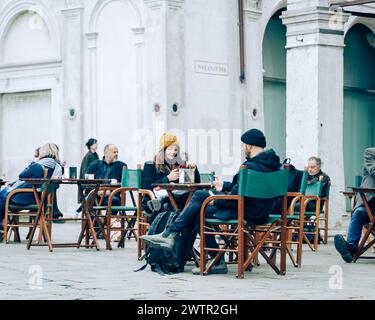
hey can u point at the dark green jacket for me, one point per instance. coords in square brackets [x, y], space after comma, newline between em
[86, 161]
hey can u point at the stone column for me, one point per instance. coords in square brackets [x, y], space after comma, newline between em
[165, 60]
[72, 97]
[315, 43]
[72, 79]
[253, 94]
[144, 112]
[90, 109]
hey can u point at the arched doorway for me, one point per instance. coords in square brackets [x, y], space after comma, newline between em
[274, 84]
[27, 40]
[359, 99]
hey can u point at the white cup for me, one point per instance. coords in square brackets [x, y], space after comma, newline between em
[182, 175]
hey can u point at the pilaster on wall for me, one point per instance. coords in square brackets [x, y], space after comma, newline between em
[70, 4]
[91, 108]
[304, 4]
[143, 113]
[315, 42]
[253, 9]
[171, 4]
[165, 39]
[253, 93]
[72, 73]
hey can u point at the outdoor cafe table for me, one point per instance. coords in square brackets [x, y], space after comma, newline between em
[188, 187]
[87, 226]
[363, 247]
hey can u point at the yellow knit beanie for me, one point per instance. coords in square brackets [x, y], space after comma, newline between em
[167, 139]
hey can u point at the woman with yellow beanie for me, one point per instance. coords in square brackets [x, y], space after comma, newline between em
[165, 169]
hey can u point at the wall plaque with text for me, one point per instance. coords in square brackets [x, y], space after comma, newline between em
[213, 68]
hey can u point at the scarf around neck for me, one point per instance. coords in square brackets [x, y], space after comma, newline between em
[51, 164]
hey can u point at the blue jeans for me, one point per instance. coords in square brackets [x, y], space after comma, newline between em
[358, 220]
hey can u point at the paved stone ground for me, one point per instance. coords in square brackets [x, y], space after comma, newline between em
[72, 273]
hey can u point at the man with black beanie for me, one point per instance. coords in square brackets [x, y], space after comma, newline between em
[256, 210]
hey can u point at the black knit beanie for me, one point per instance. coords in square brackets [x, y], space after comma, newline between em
[254, 137]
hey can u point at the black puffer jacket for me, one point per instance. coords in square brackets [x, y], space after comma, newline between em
[256, 210]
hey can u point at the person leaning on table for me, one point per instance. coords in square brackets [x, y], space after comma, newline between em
[165, 169]
[347, 248]
[48, 159]
[256, 210]
[108, 168]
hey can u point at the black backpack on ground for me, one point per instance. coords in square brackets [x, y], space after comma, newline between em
[165, 261]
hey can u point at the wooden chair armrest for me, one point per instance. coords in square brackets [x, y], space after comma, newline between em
[116, 191]
[311, 197]
[26, 190]
[296, 199]
[12, 193]
[216, 197]
[103, 189]
[348, 193]
[293, 194]
[146, 192]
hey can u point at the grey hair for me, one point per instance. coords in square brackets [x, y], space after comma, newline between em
[317, 160]
[106, 148]
[49, 150]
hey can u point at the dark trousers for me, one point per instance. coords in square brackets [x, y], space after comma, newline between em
[189, 219]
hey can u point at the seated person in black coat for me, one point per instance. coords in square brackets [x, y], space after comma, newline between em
[314, 165]
[256, 210]
[165, 169]
[108, 168]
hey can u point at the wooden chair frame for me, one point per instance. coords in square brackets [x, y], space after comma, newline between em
[248, 243]
[251, 239]
[11, 218]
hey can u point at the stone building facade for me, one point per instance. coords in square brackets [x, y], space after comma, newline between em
[123, 71]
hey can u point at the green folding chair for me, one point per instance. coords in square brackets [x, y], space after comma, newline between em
[244, 239]
[312, 219]
[207, 177]
[131, 182]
